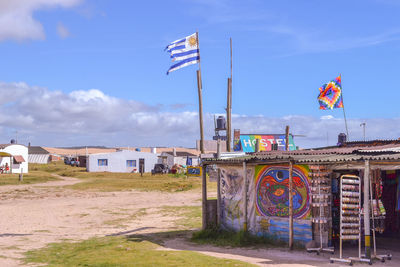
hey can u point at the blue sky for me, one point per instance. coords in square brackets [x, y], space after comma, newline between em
[85, 72]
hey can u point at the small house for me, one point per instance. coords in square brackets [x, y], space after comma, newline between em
[13, 158]
[121, 161]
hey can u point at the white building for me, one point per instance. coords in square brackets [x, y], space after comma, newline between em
[37, 154]
[121, 161]
[15, 157]
[179, 158]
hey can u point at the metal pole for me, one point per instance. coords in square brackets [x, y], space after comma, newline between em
[344, 113]
[290, 204]
[367, 230]
[287, 138]
[204, 196]
[199, 87]
[245, 196]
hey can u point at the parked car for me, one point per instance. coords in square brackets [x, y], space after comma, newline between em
[159, 168]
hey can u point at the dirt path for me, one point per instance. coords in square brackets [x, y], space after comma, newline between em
[35, 215]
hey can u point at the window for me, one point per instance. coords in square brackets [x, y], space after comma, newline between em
[131, 163]
[102, 162]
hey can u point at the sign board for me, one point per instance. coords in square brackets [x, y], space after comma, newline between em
[193, 171]
[248, 142]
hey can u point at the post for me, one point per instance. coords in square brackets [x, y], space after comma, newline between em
[204, 196]
[219, 198]
[367, 230]
[290, 204]
[257, 145]
[287, 138]
[218, 149]
[21, 178]
[245, 196]
[228, 116]
[200, 87]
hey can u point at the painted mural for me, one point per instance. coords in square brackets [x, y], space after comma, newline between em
[232, 197]
[248, 142]
[268, 201]
[271, 202]
[272, 189]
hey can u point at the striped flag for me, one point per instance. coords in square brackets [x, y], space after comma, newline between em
[185, 51]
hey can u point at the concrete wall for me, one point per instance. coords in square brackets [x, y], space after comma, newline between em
[16, 150]
[117, 161]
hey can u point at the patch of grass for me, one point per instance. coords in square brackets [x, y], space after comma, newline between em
[120, 251]
[32, 177]
[189, 217]
[235, 239]
[57, 167]
[108, 182]
[42, 231]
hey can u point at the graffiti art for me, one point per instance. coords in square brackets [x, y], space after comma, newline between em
[272, 189]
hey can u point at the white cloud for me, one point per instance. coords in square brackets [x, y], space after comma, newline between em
[17, 21]
[62, 31]
[91, 117]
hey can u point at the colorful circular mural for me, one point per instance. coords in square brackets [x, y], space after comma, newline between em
[272, 188]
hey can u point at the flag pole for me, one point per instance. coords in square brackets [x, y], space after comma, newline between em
[199, 88]
[344, 113]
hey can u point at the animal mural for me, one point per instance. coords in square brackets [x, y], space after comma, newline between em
[272, 191]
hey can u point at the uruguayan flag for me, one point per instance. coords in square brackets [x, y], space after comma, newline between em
[185, 51]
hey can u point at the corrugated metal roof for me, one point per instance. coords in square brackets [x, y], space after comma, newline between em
[332, 155]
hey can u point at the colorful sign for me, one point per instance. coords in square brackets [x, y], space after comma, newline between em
[272, 191]
[193, 171]
[248, 142]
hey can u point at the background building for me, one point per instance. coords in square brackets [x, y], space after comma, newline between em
[121, 161]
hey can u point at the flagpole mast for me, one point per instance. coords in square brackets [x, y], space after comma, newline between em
[199, 88]
[229, 109]
[344, 113]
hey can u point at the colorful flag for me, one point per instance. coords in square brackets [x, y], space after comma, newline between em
[185, 50]
[330, 94]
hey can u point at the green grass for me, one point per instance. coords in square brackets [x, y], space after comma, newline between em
[189, 217]
[106, 181]
[33, 177]
[235, 239]
[120, 251]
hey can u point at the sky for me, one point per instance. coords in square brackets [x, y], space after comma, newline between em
[93, 72]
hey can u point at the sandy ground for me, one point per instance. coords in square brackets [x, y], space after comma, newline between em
[35, 215]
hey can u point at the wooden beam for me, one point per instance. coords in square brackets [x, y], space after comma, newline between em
[204, 196]
[245, 196]
[367, 229]
[291, 205]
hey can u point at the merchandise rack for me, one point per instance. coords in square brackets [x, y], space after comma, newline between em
[320, 203]
[350, 216]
